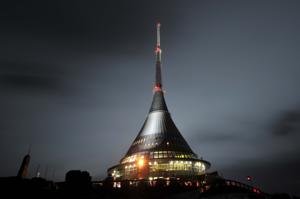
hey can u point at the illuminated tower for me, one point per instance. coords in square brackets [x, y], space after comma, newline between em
[159, 150]
[23, 170]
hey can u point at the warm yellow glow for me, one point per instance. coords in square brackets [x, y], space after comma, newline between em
[141, 162]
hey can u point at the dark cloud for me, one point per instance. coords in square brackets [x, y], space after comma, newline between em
[214, 137]
[287, 124]
[15, 81]
[22, 76]
[283, 168]
[110, 24]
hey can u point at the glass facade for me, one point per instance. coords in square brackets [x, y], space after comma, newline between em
[159, 155]
[171, 154]
[166, 164]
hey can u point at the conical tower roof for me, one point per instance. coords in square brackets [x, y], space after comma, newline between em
[159, 132]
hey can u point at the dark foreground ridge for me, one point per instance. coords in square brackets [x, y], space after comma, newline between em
[78, 184]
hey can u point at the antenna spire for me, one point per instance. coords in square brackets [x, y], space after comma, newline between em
[158, 34]
[158, 82]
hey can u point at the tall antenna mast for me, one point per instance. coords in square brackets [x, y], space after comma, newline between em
[158, 34]
[158, 80]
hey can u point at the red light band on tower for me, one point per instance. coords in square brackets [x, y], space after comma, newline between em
[157, 50]
[157, 88]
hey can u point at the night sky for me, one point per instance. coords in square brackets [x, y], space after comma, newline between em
[76, 83]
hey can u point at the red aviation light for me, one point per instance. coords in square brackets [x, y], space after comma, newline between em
[249, 178]
[157, 88]
[157, 50]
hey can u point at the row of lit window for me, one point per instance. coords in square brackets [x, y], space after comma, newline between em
[130, 168]
[116, 174]
[159, 154]
[176, 166]
[154, 166]
[134, 157]
[151, 144]
[152, 138]
[196, 164]
[169, 167]
[139, 141]
[131, 158]
[199, 166]
[170, 154]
